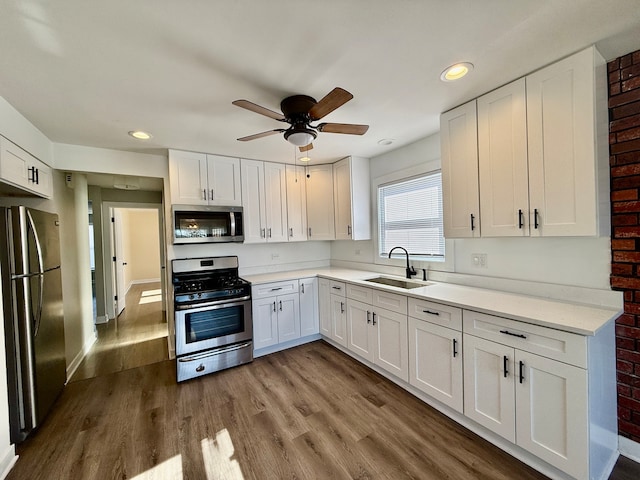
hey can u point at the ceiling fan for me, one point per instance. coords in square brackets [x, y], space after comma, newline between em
[299, 111]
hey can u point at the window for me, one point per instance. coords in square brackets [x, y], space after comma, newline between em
[410, 216]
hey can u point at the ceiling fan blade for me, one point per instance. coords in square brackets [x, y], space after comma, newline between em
[334, 99]
[306, 148]
[348, 128]
[258, 109]
[260, 135]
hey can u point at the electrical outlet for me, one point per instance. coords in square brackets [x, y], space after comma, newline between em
[479, 260]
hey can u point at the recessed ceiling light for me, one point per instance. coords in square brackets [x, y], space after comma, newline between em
[304, 159]
[456, 72]
[140, 135]
[385, 141]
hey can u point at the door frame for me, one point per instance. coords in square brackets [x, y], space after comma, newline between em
[108, 247]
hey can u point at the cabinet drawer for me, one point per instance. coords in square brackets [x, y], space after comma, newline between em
[274, 289]
[390, 301]
[563, 346]
[450, 317]
[337, 288]
[360, 293]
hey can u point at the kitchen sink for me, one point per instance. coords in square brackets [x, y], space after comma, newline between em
[393, 282]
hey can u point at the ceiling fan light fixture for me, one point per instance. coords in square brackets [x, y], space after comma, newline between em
[300, 137]
[456, 72]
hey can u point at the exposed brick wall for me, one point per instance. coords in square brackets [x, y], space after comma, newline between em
[624, 150]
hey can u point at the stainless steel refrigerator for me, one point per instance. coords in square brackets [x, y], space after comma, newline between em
[33, 315]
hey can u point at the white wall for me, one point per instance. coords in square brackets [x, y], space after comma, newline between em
[582, 262]
[142, 252]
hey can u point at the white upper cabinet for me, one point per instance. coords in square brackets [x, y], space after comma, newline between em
[566, 115]
[296, 203]
[264, 201]
[201, 179]
[460, 193]
[502, 158]
[541, 155]
[351, 183]
[320, 212]
[24, 171]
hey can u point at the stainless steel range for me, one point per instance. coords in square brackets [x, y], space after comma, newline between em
[214, 328]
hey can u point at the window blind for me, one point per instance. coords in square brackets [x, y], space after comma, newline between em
[410, 216]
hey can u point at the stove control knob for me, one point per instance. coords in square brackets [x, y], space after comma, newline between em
[191, 297]
[199, 295]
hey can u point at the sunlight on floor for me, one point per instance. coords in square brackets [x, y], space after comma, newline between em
[150, 296]
[171, 468]
[217, 455]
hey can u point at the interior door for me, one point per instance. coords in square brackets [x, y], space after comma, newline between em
[119, 262]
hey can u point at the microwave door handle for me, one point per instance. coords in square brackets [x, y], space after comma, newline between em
[232, 218]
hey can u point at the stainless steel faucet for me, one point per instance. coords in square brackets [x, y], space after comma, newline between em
[410, 270]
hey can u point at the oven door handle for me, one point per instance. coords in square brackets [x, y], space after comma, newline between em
[215, 351]
[217, 303]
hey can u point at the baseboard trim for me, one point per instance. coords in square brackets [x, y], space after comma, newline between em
[7, 461]
[629, 448]
[75, 363]
[148, 280]
[100, 319]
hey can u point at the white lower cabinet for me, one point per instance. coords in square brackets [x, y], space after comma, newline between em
[435, 361]
[308, 306]
[333, 310]
[377, 334]
[338, 325]
[536, 402]
[324, 306]
[276, 313]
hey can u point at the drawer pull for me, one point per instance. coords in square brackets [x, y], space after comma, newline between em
[505, 364]
[337, 288]
[519, 335]
[521, 371]
[430, 312]
[276, 289]
[455, 349]
[200, 368]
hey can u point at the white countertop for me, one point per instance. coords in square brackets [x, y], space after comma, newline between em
[569, 317]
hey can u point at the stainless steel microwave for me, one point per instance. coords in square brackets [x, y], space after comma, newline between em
[207, 224]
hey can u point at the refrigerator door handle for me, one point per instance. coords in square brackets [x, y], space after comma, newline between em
[37, 316]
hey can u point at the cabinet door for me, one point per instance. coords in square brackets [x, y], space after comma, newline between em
[288, 307]
[489, 396]
[502, 157]
[325, 306]
[561, 139]
[308, 306]
[342, 198]
[223, 175]
[460, 191]
[253, 203]
[296, 203]
[435, 362]
[275, 188]
[320, 214]
[44, 180]
[23, 170]
[188, 177]
[338, 319]
[551, 399]
[265, 324]
[360, 334]
[391, 352]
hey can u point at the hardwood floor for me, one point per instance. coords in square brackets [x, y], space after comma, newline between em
[137, 338]
[308, 412]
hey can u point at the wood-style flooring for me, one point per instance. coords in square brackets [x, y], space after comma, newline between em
[137, 337]
[311, 412]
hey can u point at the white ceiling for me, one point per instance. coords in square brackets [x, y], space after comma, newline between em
[88, 72]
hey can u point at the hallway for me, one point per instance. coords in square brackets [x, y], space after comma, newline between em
[136, 338]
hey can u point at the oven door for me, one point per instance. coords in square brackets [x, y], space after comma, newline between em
[205, 327]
